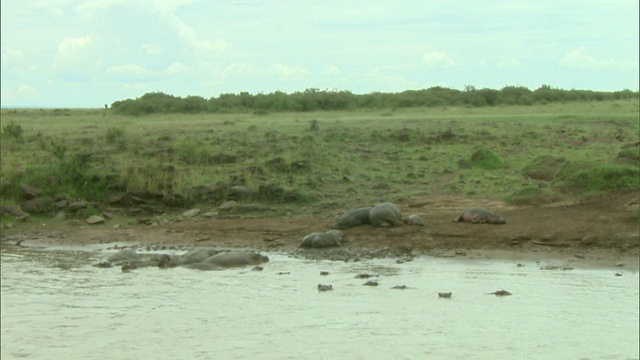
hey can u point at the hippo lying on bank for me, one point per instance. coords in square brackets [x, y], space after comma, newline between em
[351, 218]
[322, 239]
[480, 216]
[414, 219]
[385, 214]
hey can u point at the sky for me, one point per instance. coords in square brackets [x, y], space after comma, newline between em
[84, 54]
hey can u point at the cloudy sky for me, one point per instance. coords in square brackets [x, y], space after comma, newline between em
[72, 53]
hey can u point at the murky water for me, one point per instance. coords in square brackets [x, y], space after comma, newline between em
[55, 305]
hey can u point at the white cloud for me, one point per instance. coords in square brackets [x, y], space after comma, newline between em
[240, 70]
[509, 64]
[284, 70]
[95, 8]
[177, 68]
[74, 53]
[129, 72]
[26, 90]
[437, 59]
[581, 58]
[332, 71]
[151, 49]
[12, 59]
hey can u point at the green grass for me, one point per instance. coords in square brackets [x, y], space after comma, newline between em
[353, 158]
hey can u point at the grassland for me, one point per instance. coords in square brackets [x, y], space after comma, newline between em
[518, 153]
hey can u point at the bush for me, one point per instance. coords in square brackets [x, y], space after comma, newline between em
[599, 178]
[13, 131]
[114, 134]
[486, 159]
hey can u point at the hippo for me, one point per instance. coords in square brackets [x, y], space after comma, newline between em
[500, 293]
[203, 266]
[351, 218]
[128, 257]
[190, 257]
[385, 214]
[235, 259]
[322, 239]
[414, 219]
[322, 287]
[480, 216]
[195, 256]
[444, 295]
[122, 256]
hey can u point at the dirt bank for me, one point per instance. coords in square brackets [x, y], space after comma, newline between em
[604, 227]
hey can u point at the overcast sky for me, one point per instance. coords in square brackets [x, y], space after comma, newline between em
[66, 53]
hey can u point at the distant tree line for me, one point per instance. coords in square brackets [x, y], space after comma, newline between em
[314, 99]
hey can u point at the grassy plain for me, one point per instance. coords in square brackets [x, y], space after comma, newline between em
[353, 158]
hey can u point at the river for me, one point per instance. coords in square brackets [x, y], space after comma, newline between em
[55, 305]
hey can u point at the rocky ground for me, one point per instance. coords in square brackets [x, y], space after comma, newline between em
[600, 228]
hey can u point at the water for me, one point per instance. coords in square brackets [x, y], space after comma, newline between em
[56, 305]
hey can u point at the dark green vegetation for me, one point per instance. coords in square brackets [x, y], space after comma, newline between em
[328, 159]
[317, 100]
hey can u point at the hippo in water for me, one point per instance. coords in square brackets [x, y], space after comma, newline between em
[235, 259]
[123, 255]
[130, 258]
[480, 216]
[322, 239]
[385, 214]
[190, 257]
[351, 218]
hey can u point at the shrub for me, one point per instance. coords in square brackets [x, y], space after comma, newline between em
[486, 159]
[13, 130]
[114, 134]
[599, 178]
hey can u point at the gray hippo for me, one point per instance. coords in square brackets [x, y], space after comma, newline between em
[235, 259]
[414, 219]
[323, 239]
[124, 255]
[480, 216]
[203, 266]
[190, 257]
[130, 258]
[351, 218]
[385, 214]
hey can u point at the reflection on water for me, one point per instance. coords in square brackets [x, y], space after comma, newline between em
[56, 305]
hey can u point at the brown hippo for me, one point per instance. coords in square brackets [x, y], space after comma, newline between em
[480, 216]
[235, 259]
[414, 220]
[385, 214]
[351, 218]
[322, 239]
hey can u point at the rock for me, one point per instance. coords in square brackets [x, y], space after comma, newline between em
[227, 205]
[29, 192]
[191, 213]
[77, 205]
[15, 210]
[95, 219]
[38, 205]
[61, 204]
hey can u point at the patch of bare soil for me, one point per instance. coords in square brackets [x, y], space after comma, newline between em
[600, 227]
